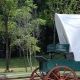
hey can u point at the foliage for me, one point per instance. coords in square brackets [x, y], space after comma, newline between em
[20, 19]
[22, 35]
[58, 6]
[19, 25]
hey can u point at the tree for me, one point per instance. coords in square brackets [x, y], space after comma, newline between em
[57, 6]
[19, 25]
[47, 10]
[24, 33]
[6, 8]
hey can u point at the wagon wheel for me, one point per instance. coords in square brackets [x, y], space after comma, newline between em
[61, 73]
[36, 75]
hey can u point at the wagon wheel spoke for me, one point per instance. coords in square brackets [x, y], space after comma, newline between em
[55, 75]
[68, 75]
[64, 71]
[37, 74]
[61, 73]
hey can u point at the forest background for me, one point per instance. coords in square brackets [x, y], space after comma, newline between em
[28, 26]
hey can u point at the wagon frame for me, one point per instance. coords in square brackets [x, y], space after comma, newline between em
[56, 69]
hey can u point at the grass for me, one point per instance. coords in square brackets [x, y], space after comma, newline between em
[17, 65]
[18, 68]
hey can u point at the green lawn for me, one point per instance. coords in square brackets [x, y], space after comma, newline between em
[17, 65]
[18, 68]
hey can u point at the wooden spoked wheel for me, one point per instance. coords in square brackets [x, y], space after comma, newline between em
[61, 73]
[36, 75]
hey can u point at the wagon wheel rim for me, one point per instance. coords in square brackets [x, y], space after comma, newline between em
[64, 73]
[36, 75]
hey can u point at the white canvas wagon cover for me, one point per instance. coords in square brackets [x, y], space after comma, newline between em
[68, 29]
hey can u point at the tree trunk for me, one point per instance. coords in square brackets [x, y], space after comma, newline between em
[6, 39]
[19, 52]
[25, 63]
[28, 57]
[30, 60]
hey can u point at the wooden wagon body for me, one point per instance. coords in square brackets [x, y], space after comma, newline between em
[65, 58]
[49, 67]
[60, 63]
